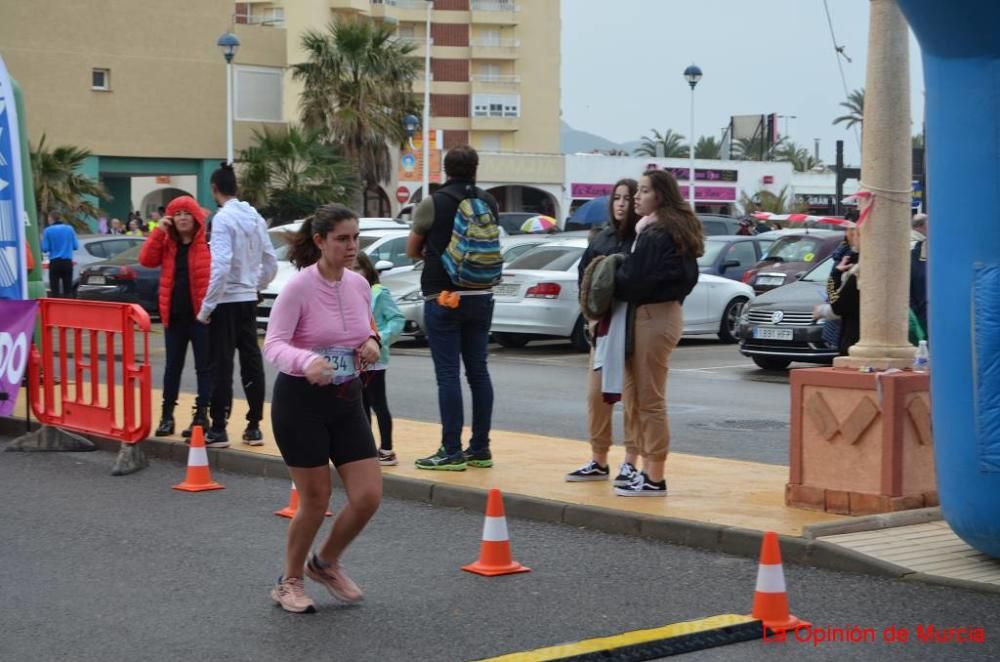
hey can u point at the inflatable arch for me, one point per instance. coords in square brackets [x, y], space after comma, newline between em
[961, 57]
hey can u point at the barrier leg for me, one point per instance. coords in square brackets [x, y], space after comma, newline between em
[131, 458]
[49, 438]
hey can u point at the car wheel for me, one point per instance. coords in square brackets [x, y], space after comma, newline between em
[729, 327]
[580, 338]
[771, 362]
[511, 340]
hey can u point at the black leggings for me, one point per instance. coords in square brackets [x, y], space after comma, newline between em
[375, 398]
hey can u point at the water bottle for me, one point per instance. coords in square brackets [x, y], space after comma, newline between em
[921, 358]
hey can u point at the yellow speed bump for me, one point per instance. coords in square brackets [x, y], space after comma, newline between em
[655, 642]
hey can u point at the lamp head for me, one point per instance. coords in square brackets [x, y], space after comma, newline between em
[692, 75]
[411, 124]
[228, 44]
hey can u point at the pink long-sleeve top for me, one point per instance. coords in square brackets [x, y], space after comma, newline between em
[311, 313]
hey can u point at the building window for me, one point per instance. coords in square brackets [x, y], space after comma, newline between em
[257, 94]
[489, 37]
[407, 32]
[496, 105]
[100, 79]
[489, 72]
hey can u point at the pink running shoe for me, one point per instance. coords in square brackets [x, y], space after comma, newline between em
[291, 595]
[333, 577]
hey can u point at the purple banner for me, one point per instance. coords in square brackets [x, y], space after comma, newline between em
[17, 324]
[700, 175]
[589, 190]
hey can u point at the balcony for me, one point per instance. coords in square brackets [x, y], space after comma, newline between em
[419, 45]
[354, 6]
[497, 79]
[495, 123]
[400, 10]
[495, 12]
[487, 49]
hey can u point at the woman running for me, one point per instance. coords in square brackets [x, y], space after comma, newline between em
[321, 336]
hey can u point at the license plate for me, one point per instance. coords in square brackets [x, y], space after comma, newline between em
[96, 280]
[506, 289]
[771, 333]
[770, 280]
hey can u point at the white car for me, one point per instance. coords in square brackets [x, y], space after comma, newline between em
[538, 298]
[386, 248]
[404, 282]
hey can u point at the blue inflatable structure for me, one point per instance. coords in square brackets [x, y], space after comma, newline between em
[960, 41]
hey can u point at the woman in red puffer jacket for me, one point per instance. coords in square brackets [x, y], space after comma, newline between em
[178, 245]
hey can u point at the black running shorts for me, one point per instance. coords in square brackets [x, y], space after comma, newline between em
[316, 424]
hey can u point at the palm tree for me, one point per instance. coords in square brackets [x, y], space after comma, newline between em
[707, 147]
[358, 82]
[799, 157]
[288, 173]
[855, 105]
[59, 184]
[671, 144]
[775, 203]
[756, 149]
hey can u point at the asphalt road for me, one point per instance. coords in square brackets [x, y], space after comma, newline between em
[720, 404]
[98, 568]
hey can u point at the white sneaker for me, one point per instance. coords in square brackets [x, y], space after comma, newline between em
[643, 487]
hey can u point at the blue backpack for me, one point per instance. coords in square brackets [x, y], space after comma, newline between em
[472, 258]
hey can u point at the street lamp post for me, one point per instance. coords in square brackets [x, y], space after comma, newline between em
[425, 181]
[692, 75]
[229, 43]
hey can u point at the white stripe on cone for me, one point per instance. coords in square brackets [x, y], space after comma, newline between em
[770, 578]
[197, 457]
[293, 487]
[495, 529]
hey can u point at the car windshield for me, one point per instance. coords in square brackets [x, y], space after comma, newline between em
[712, 250]
[550, 258]
[821, 272]
[795, 249]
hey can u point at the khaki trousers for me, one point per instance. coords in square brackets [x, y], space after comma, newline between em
[658, 328]
[599, 414]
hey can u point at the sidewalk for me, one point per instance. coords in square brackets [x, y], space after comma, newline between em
[715, 504]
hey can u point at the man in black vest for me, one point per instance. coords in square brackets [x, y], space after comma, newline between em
[454, 332]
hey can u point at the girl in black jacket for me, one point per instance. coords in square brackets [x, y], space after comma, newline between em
[616, 237]
[656, 276]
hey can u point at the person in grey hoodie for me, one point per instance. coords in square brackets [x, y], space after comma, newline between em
[243, 263]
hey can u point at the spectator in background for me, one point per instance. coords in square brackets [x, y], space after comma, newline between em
[918, 275]
[59, 242]
[154, 220]
[243, 263]
[102, 224]
[117, 227]
[135, 228]
[389, 321]
[918, 231]
[178, 246]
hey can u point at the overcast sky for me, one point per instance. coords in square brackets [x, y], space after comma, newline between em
[623, 63]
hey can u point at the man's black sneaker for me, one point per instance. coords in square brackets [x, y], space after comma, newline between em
[252, 435]
[216, 439]
[478, 459]
[626, 474]
[441, 461]
[590, 471]
[642, 486]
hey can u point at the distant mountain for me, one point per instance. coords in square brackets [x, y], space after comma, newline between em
[571, 141]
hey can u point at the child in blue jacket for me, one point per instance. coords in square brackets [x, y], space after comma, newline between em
[390, 325]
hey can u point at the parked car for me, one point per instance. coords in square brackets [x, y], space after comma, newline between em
[538, 298]
[95, 248]
[730, 256]
[778, 326]
[405, 285]
[122, 279]
[717, 225]
[279, 233]
[793, 253]
[386, 248]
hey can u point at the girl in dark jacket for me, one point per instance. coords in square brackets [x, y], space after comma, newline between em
[656, 276]
[178, 246]
[616, 237]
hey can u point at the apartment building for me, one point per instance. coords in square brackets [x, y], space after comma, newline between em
[142, 85]
[495, 83]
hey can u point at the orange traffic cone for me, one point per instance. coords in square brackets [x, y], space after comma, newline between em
[199, 478]
[770, 601]
[293, 505]
[494, 554]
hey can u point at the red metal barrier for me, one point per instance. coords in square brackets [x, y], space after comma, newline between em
[115, 404]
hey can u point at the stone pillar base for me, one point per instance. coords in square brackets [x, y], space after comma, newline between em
[861, 443]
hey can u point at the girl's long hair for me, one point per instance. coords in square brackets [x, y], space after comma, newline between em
[627, 229]
[675, 215]
[366, 268]
[303, 251]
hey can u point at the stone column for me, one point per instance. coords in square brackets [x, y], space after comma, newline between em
[886, 172]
